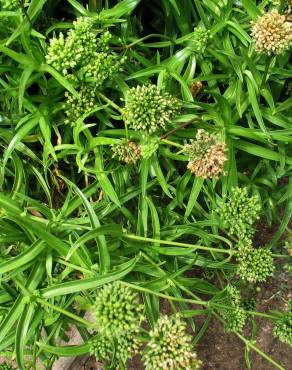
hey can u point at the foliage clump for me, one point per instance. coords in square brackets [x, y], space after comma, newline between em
[272, 33]
[127, 151]
[207, 155]
[283, 326]
[254, 264]
[169, 347]
[239, 211]
[117, 309]
[148, 109]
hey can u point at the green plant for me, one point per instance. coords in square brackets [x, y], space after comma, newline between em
[136, 158]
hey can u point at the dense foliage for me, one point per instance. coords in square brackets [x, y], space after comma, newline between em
[140, 144]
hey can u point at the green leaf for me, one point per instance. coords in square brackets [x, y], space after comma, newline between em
[92, 283]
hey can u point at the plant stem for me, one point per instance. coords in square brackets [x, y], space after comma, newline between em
[172, 143]
[255, 348]
[110, 102]
[178, 128]
[184, 245]
[64, 312]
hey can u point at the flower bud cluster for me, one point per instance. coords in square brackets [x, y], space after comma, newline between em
[235, 318]
[76, 107]
[149, 109]
[5, 366]
[149, 146]
[10, 4]
[239, 211]
[254, 264]
[272, 33]
[170, 347]
[126, 151]
[117, 309]
[83, 53]
[207, 155]
[200, 40]
[283, 326]
[124, 347]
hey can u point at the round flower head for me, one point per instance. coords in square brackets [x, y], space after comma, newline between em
[126, 151]
[207, 155]
[117, 309]
[272, 33]
[239, 211]
[283, 326]
[75, 107]
[254, 264]
[148, 109]
[169, 347]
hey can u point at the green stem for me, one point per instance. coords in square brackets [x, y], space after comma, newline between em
[110, 102]
[184, 245]
[65, 312]
[172, 143]
[264, 78]
[255, 348]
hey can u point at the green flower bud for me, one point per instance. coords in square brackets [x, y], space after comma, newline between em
[239, 211]
[235, 318]
[283, 326]
[200, 40]
[117, 309]
[169, 347]
[149, 146]
[148, 109]
[5, 366]
[254, 264]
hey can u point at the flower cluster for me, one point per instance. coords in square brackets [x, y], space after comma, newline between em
[149, 146]
[239, 212]
[200, 40]
[148, 109]
[254, 264]
[235, 318]
[126, 151]
[10, 4]
[207, 155]
[170, 347]
[5, 366]
[117, 310]
[76, 107]
[81, 53]
[124, 347]
[283, 326]
[272, 33]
